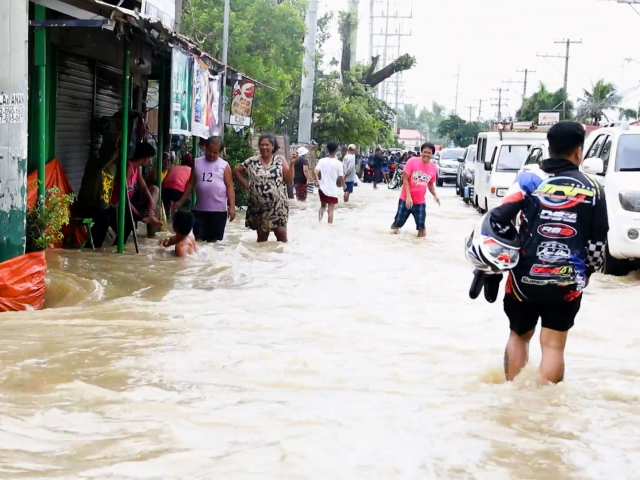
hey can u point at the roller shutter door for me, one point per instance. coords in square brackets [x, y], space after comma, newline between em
[74, 115]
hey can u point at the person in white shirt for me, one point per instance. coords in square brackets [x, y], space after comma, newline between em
[349, 165]
[330, 180]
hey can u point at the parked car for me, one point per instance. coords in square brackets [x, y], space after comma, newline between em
[466, 167]
[613, 158]
[448, 165]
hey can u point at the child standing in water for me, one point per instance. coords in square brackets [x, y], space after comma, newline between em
[183, 239]
[216, 199]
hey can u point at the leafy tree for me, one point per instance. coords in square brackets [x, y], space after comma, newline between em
[348, 112]
[266, 42]
[628, 114]
[426, 122]
[459, 131]
[238, 149]
[544, 101]
[602, 97]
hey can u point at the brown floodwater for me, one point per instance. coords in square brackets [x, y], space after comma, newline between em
[348, 353]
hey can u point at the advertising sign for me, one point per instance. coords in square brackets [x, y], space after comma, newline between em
[180, 93]
[163, 10]
[548, 118]
[200, 106]
[214, 119]
[242, 102]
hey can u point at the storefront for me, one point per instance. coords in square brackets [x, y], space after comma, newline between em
[86, 69]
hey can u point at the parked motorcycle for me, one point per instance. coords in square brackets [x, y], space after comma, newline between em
[396, 178]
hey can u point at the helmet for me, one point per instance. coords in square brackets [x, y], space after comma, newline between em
[493, 247]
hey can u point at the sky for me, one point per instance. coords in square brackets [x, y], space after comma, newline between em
[491, 39]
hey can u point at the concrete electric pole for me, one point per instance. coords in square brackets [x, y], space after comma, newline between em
[568, 43]
[14, 45]
[308, 75]
[499, 101]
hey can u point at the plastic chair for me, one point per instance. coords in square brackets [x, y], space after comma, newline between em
[87, 224]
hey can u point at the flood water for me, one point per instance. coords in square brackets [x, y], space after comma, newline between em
[348, 353]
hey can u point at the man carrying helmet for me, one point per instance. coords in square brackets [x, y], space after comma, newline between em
[562, 236]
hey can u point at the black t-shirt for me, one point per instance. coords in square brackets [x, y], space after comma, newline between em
[376, 162]
[299, 177]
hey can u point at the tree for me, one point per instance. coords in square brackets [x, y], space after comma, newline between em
[459, 131]
[426, 122]
[266, 43]
[348, 112]
[371, 77]
[544, 101]
[628, 114]
[602, 97]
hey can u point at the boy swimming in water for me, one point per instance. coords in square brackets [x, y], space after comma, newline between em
[183, 237]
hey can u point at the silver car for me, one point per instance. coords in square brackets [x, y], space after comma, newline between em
[448, 165]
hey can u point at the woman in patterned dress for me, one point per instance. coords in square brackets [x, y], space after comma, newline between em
[266, 177]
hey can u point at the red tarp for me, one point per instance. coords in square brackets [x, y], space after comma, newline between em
[22, 282]
[55, 177]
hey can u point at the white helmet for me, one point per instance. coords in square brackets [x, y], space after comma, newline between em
[492, 247]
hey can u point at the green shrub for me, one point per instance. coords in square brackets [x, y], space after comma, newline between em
[238, 146]
[46, 219]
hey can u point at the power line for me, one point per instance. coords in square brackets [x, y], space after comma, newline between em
[471, 109]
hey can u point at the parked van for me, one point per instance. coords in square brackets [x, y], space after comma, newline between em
[501, 153]
[613, 157]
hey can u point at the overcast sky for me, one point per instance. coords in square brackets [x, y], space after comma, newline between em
[491, 39]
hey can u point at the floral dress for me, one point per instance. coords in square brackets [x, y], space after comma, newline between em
[268, 203]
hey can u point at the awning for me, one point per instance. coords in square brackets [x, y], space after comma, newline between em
[155, 31]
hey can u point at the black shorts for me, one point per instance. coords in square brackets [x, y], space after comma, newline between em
[523, 316]
[209, 226]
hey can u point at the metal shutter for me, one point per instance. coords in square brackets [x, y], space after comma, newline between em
[108, 90]
[74, 115]
[108, 97]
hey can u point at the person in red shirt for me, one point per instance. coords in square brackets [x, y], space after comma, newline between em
[175, 183]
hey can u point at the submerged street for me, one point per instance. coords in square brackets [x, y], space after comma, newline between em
[347, 353]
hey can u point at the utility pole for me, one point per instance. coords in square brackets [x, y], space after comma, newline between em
[225, 53]
[568, 43]
[457, 89]
[480, 109]
[393, 29]
[526, 72]
[470, 113]
[308, 74]
[500, 101]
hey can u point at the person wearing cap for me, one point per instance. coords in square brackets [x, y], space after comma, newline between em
[301, 176]
[349, 166]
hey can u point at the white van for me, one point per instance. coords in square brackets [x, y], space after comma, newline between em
[500, 156]
[613, 157]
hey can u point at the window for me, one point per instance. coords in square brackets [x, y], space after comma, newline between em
[488, 165]
[628, 154]
[595, 148]
[482, 145]
[512, 157]
[535, 157]
[606, 153]
[470, 159]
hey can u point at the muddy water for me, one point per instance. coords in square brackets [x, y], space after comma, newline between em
[347, 354]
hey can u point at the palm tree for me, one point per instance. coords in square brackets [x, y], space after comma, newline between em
[628, 114]
[602, 97]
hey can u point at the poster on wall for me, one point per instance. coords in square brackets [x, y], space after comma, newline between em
[214, 120]
[242, 102]
[201, 103]
[180, 93]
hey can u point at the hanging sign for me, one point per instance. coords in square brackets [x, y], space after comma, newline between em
[214, 119]
[242, 102]
[200, 106]
[180, 93]
[163, 10]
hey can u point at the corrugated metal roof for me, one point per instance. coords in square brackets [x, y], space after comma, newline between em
[160, 34]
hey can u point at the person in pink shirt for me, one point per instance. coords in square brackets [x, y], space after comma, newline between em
[419, 175]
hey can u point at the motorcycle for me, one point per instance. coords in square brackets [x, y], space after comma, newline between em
[368, 174]
[396, 178]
